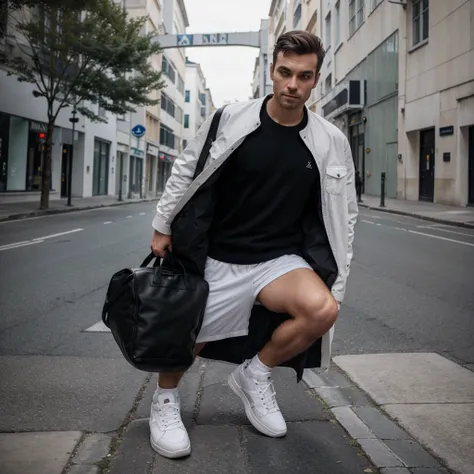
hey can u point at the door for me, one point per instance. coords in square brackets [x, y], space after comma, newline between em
[4, 137]
[64, 169]
[427, 164]
[471, 167]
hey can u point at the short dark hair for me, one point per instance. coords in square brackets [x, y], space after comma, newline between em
[299, 42]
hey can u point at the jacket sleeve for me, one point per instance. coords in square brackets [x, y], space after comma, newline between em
[181, 178]
[339, 287]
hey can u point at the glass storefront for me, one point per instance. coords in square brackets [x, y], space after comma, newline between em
[21, 153]
[100, 174]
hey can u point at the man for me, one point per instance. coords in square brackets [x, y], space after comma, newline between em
[271, 217]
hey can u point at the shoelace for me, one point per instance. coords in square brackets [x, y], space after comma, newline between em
[268, 399]
[169, 415]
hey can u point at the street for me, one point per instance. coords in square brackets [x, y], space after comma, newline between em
[410, 290]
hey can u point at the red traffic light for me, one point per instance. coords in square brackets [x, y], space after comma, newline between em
[42, 135]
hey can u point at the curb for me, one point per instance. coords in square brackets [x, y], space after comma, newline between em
[68, 210]
[418, 216]
[390, 448]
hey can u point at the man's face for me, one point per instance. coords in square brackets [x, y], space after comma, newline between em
[294, 76]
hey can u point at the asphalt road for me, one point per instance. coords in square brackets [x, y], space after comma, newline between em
[410, 289]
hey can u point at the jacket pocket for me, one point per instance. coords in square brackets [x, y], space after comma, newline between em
[336, 179]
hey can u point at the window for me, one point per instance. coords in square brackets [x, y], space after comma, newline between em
[167, 137]
[328, 31]
[337, 32]
[168, 69]
[186, 121]
[167, 104]
[187, 96]
[420, 21]
[297, 16]
[356, 15]
[180, 84]
[328, 84]
[185, 144]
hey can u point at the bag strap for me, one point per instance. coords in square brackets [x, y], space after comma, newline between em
[211, 136]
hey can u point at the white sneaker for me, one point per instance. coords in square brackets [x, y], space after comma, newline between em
[168, 436]
[258, 396]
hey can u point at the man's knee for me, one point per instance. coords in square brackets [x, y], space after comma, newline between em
[319, 311]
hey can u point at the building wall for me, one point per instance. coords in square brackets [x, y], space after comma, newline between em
[439, 92]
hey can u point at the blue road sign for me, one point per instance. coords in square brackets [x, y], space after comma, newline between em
[138, 131]
[185, 40]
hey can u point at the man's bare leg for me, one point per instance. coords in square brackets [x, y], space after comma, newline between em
[303, 295]
[170, 380]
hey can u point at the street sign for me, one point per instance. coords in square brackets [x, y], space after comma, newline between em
[138, 131]
[215, 38]
[185, 40]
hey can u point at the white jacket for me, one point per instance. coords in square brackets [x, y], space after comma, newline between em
[331, 153]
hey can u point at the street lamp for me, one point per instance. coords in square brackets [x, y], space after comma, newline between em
[73, 120]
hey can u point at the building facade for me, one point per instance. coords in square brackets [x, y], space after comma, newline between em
[195, 110]
[398, 80]
[175, 21]
[436, 103]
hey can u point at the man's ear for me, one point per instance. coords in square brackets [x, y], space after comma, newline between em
[271, 71]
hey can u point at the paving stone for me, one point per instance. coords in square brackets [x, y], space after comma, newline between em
[188, 388]
[331, 379]
[411, 453]
[83, 469]
[394, 470]
[134, 454]
[380, 424]
[94, 448]
[79, 393]
[352, 423]
[428, 470]
[343, 396]
[36, 453]
[219, 405]
[309, 447]
[215, 450]
[379, 453]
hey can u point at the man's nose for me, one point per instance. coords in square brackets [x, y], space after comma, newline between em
[293, 83]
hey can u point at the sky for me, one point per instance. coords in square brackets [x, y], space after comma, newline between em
[228, 69]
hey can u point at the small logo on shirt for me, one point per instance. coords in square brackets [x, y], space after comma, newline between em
[309, 165]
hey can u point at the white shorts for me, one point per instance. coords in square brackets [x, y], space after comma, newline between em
[233, 290]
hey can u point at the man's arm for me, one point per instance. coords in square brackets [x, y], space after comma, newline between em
[181, 178]
[352, 213]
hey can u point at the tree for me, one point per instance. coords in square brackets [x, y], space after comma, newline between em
[80, 52]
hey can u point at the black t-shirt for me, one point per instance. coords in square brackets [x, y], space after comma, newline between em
[262, 193]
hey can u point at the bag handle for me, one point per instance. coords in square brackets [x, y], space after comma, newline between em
[211, 136]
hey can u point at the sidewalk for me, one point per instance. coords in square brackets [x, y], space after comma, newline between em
[24, 209]
[223, 441]
[450, 215]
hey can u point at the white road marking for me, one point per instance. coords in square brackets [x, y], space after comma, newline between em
[371, 216]
[108, 222]
[58, 235]
[98, 327]
[37, 240]
[367, 222]
[19, 244]
[441, 238]
[128, 217]
[378, 224]
[142, 213]
[445, 230]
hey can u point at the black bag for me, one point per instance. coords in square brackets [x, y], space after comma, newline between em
[155, 313]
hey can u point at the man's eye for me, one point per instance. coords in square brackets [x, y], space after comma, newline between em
[306, 76]
[285, 73]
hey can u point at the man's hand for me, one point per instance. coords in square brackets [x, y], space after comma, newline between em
[160, 243]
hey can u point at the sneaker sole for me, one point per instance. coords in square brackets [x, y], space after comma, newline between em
[256, 423]
[171, 454]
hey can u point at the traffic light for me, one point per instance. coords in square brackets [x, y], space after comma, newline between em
[42, 137]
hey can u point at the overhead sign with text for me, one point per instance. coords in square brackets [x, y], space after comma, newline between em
[218, 39]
